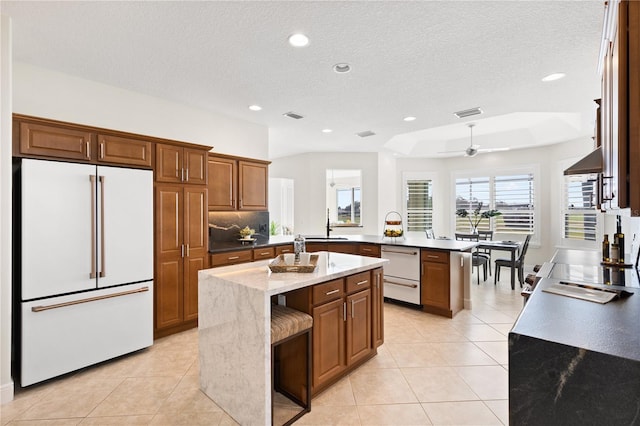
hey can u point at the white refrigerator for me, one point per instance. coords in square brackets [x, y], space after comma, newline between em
[86, 265]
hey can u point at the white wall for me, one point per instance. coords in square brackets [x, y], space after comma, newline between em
[6, 383]
[309, 174]
[49, 94]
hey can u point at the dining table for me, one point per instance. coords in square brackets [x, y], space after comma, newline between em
[511, 246]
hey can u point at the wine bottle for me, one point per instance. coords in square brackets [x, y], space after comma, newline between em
[619, 239]
[605, 249]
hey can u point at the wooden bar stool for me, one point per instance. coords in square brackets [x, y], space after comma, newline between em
[286, 325]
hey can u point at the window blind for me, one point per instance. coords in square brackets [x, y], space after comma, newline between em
[419, 197]
[580, 218]
[514, 198]
[470, 192]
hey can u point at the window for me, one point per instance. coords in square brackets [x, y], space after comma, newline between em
[512, 195]
[580, 217]
[419, 199]
[344, 197]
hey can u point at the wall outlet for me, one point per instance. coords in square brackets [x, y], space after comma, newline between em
[282, 300]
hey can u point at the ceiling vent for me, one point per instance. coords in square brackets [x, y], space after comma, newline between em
[365, 134]
[468, 112]
[294, 115]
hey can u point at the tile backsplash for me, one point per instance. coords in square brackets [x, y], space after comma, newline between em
[224, 227]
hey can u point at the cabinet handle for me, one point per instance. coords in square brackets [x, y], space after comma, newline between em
[265, 253]
[233, 257]
[92, 180]
[102, 149]
[366, 249]
[337, 290]
[433, 256]
[188, 251]
[362, 282]
[461, 261]
[344, 311]
[240, 202]
[181, 250]
[353, 311]
[182, 174]
[285, 251]
[88, 146]
[103, 268]
[187, 175]
[377, 281]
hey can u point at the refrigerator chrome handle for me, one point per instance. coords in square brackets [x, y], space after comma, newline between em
[103, 267]
[92, 179]
[89, 299]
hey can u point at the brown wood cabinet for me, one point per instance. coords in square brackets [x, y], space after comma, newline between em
[181, 251]
[237, 184]
[377, 307]
[342, 313]
[368, 249]
[619, 130]
[231, 257]
[313, 247]
[434, 281]
[39, 137]
[287, 248]
[121, 150]
[348, 248]
[177, 164]
[264, 253]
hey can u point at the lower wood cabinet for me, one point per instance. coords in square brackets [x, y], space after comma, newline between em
[231, 257]
[344, 318]
[287, 248]
[434, 279]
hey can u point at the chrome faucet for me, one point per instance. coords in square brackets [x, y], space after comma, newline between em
[328, 224]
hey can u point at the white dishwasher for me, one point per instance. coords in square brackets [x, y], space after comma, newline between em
[402, 273]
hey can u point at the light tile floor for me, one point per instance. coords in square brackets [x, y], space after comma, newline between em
[431, 370]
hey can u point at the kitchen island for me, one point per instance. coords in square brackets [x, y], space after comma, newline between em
[573, 361]
[234, 304]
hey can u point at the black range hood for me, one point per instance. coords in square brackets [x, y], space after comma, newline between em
[592, 163]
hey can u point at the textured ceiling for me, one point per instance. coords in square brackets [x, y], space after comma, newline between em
[421, 58]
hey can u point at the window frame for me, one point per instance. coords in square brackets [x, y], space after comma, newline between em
[492, 173]
[409, 176]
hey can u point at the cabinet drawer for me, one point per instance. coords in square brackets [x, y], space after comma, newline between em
[372, 250]
[327, 291]
[435, 256]
[284, 249]
[264, 253]
[358, 282]
[231, 257]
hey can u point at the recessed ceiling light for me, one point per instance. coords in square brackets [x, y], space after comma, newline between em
[298, 40]
[554, 76]
[342, 68]
[255, 107]
[409, 118]
[327, 130]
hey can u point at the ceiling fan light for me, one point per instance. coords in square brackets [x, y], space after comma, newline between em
[471, 151]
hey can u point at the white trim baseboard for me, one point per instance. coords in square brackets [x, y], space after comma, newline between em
[6, 393]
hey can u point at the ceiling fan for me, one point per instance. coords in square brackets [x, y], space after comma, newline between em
[472, 150]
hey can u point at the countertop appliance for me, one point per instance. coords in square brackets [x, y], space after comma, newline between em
[402, 273]
[84, 265]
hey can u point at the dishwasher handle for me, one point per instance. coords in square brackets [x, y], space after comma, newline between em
[407, 253]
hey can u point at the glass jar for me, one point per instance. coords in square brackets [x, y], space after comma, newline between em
[298, 246]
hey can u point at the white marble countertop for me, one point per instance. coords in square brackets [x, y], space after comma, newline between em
[258, 276]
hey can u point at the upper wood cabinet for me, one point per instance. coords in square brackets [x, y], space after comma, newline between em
[176, 164]
[237, 184]
[120, 150]
[53, 141]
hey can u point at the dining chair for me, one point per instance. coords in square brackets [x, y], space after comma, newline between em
[477, 259]
[485, 236]
[518, 263]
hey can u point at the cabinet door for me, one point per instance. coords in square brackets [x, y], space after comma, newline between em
[328, 341]
[349, 248]
[288, 248]
[168, 163]
[358, 326]
[253, 181]
[169, 263]
[313, 247]
[196, 245]
[53, 141]
[377, 308]
[371, 250]
[222, 183]
[115, 149]
[195, 166]
[435, 284]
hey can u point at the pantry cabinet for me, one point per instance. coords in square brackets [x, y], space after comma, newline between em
[237, 184]
[181, 251]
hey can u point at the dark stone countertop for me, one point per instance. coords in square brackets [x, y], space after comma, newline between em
[435, 244]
